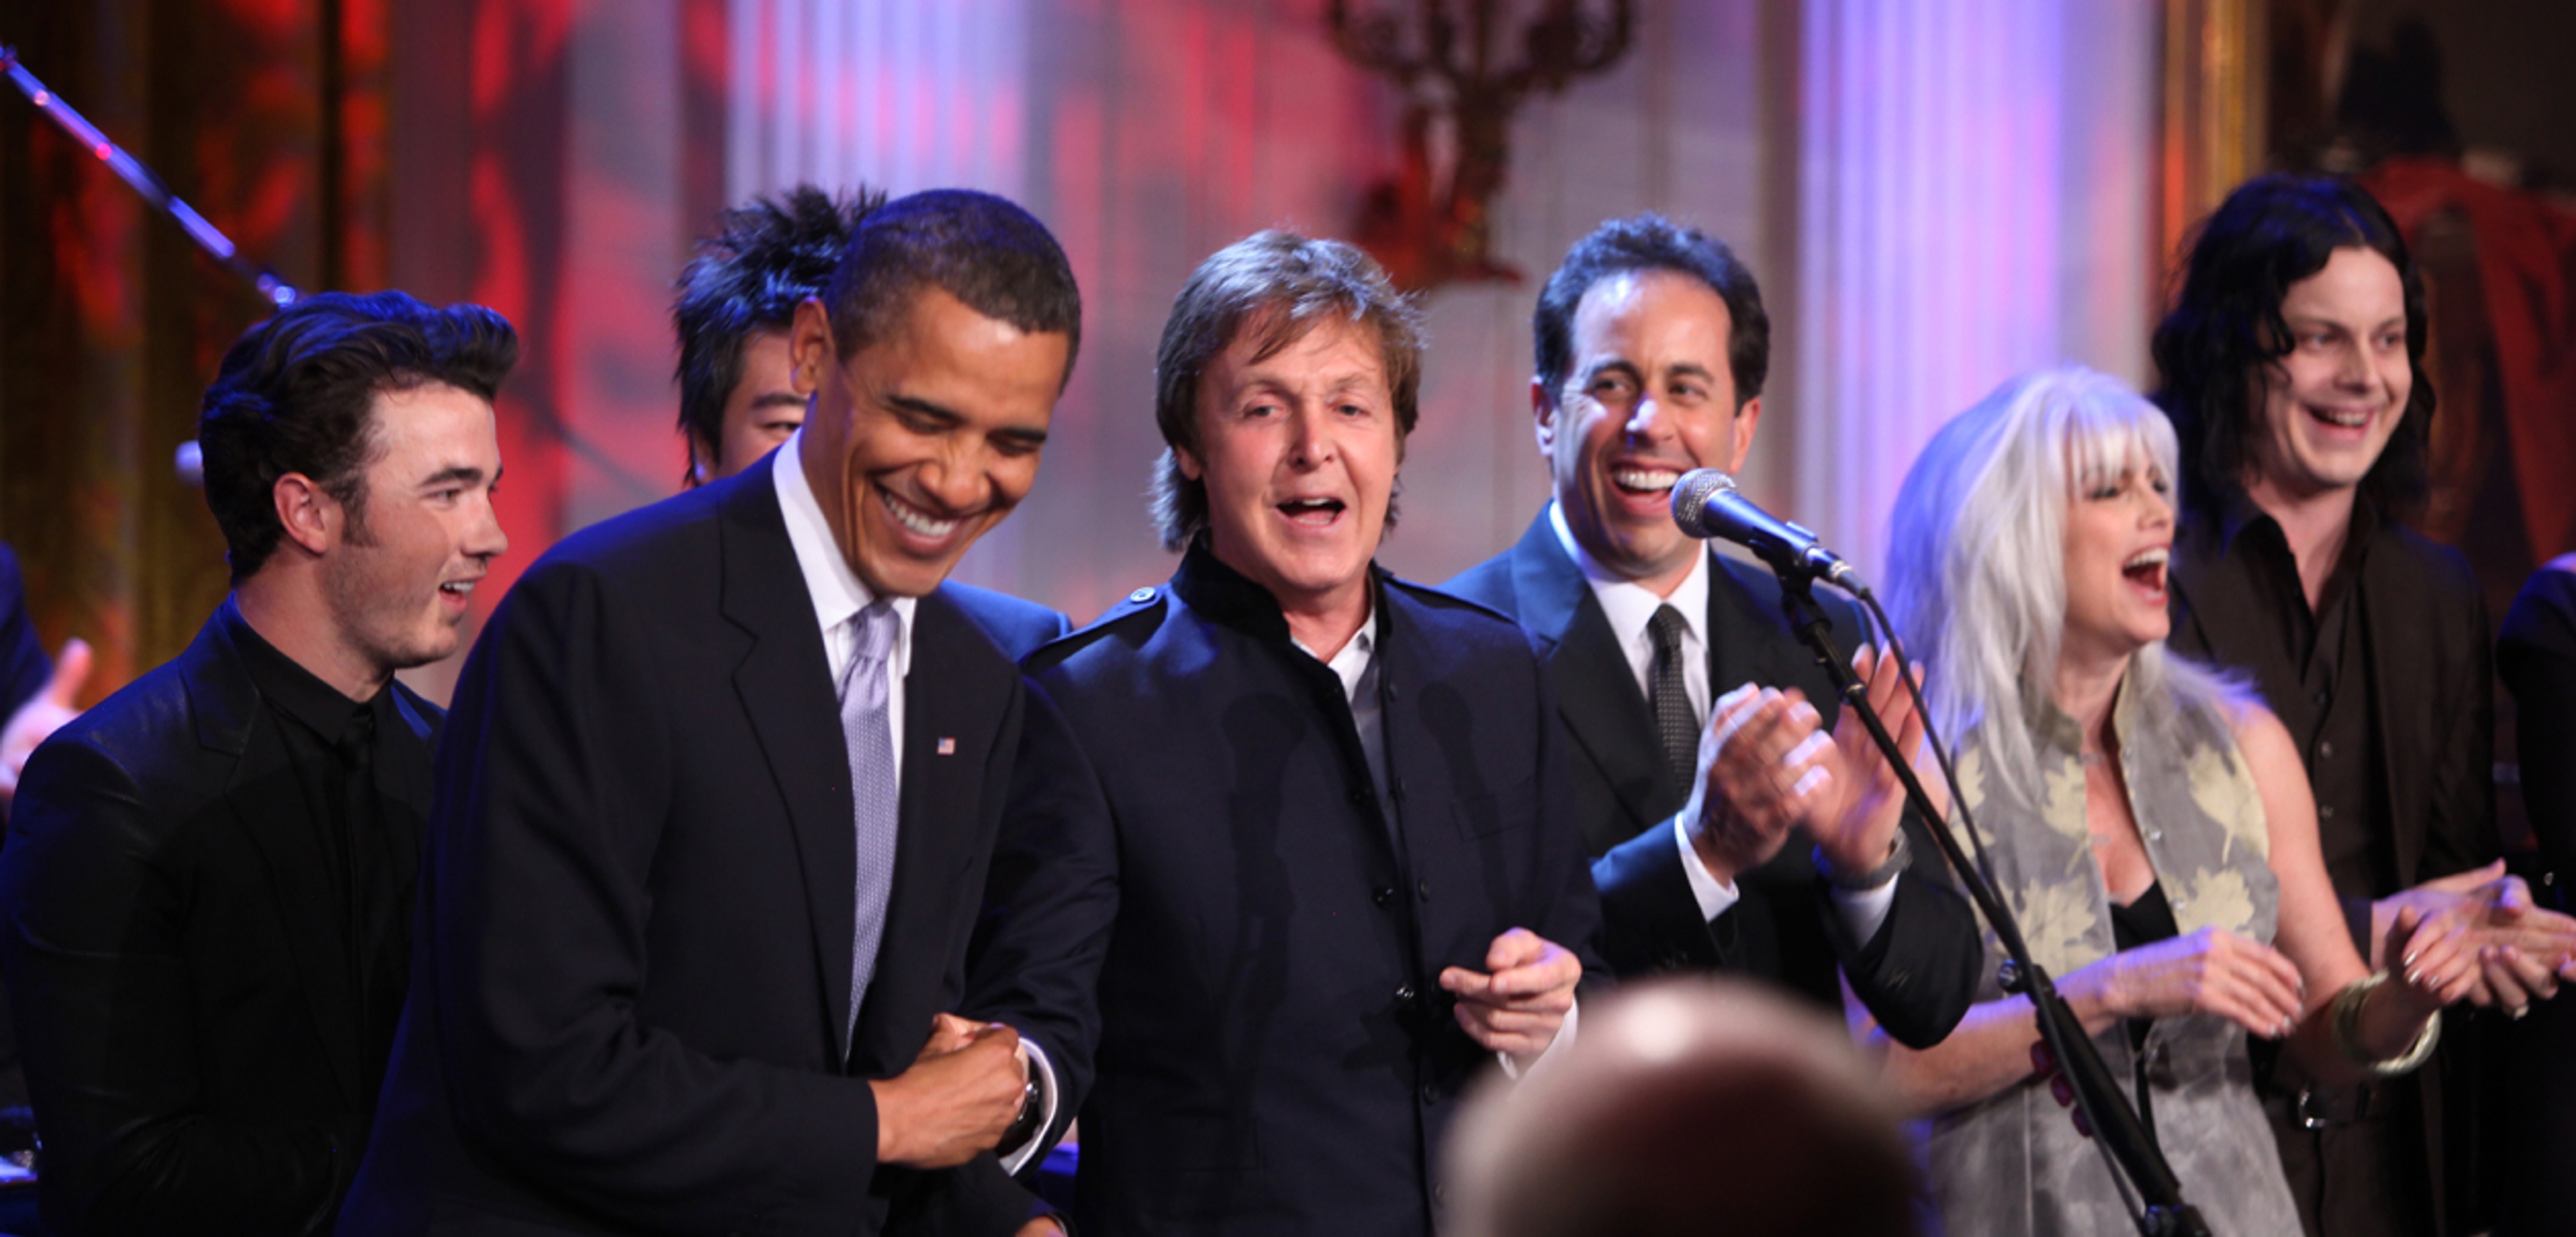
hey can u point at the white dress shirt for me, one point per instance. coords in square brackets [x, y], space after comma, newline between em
[1630, 606]
[838, 596]
[837, 591]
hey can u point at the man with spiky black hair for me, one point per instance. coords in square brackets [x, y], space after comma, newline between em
[738, 297]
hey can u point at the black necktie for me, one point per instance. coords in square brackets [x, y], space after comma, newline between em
[1675, 724]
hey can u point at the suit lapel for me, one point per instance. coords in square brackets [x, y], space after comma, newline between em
[1596, 692]
[785, 687]
[1742, 647]
[227, 706]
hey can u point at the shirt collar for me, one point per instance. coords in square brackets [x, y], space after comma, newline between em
[285, 684]
[2239, 516]
[1352, 663]
[837, 591]
[1628, 605]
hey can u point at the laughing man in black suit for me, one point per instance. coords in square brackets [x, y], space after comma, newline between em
[717, 798]
[1652, 345]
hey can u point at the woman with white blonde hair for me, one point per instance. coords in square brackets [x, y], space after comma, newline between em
[2146, 821]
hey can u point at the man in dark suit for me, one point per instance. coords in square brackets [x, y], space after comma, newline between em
[1289, 858]
[716, 803]
[1652, 346]
[210, 874]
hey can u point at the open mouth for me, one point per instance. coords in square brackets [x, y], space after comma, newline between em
[913, 519]
[460, 589]
[2341, 418]
[1644, 480]
[2146, 569]
[1312, 512]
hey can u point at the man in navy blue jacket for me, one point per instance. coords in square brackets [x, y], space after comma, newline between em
[1290, 858]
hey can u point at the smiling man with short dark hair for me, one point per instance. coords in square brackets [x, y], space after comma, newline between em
[718, 795]
[1700, 731]
[210, 874]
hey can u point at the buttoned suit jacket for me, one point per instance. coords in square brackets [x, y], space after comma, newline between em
[182, 978]
[630, 988]
[1224, 935]
[1918, 974]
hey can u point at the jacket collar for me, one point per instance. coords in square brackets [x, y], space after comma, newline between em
[1231, 599]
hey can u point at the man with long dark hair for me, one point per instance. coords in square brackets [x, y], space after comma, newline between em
[2292, 369]
[209, 875]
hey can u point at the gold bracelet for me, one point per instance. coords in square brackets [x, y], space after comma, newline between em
[2346, 1024]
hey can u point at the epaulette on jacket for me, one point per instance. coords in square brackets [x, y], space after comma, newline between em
[1137, 614]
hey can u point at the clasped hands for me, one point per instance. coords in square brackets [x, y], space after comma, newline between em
[2521, 953]
[1766, 765]
[956, 1098]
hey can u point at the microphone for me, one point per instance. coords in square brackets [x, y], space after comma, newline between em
[1707, 504]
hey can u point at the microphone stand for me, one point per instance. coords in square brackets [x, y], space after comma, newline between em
[2114, 1123]
[276, 291]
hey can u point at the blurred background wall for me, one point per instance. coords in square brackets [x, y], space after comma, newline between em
[1933, 196]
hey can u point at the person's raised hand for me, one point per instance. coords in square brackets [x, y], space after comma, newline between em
[2520, 951]
[1762, 770]
[1855, 815]
[2436, 957]
[44, 713]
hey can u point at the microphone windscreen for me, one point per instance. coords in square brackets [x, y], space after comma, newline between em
[1691, 495]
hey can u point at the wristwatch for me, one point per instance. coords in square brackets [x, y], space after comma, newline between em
[1899, 853]
[1025, 1126]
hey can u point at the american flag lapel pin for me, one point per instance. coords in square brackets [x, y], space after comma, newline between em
[947, 746]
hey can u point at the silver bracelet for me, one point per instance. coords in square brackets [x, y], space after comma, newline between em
[2346, 1024]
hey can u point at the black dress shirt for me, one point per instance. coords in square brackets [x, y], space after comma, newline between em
[2385, 687]
[334, 748]
[2312, 668]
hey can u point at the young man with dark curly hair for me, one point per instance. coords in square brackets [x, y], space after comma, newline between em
[210, 874]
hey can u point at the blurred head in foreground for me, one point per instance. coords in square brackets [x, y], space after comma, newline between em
[1688, 1107]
